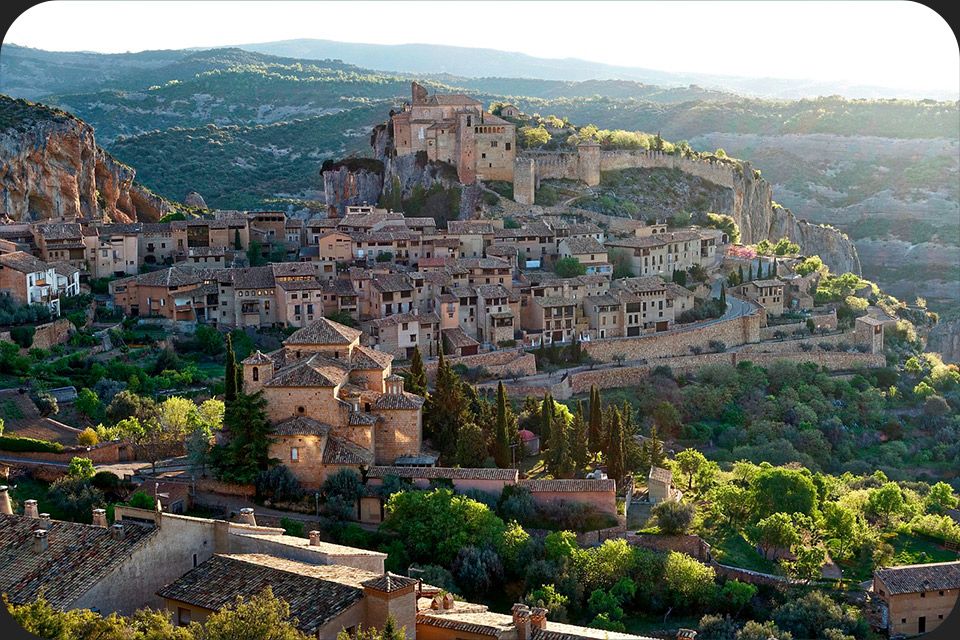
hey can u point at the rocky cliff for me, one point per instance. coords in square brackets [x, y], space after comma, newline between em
[51, 167]
[351, 183]
[759, 218]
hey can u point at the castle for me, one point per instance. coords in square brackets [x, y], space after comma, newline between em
[333, 403]
[455, 128]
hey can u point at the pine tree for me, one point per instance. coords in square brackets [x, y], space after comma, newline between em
[580, 450]
[615, 454]
[230, 373]
[501, 443]
[546, 419]
[595, 428]
[417, 381]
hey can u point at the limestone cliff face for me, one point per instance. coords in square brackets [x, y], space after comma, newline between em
[752, 207]
[944, 338]
[343, 186]
[51, 167]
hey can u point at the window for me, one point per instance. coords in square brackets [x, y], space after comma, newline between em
[256, 374]
[903, 621]
[294, 454]
[300, 410]
[183, 617]
[941, 593]
[194, 559]
[493, 143]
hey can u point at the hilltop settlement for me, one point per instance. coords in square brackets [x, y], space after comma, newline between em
[512, 420]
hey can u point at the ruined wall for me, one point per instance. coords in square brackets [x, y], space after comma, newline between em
[52, 333]
[498, 363]
[524, 180]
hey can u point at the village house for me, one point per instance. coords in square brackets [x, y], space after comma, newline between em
[61, 242]
[28, 280]
[659, 253]
[916, 598]
[455, 129]
[399, 334]
[767, 293]
[588, 252]
[474, 236]
[161, 243]
[112, 249]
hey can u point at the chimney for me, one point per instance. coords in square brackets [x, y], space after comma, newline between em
[521, 620]
[538, 618]
[116, 531]
[30, 508]
[314, 538]
[686, 634]
[5, 506]
[100, 518]
[247, 517]
[45, 521]
[40, 541]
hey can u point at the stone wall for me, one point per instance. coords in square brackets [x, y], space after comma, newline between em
[752, 577]
[210, 485]
[106, 453]
[676, 342]
[52, 333]
[792, 345]
[498, 363]
[595, 538]
[692, 545]
[524, 180]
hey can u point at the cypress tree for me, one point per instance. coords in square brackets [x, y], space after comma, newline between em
[236, 240]
[447, 409]
[580, 449]
[740, 274]
[750, 272]
[230, 373]
[559, 459]
[615, 449]
[546, 419]
[595, 428]
[655, 448]
[501, 443]
[723, 296]
[417, 382]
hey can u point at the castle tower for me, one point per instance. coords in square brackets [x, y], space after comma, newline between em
[467, 147]
[524, 179]
[588, 163]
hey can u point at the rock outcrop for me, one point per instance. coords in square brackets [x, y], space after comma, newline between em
[351, 183]
[759, 218]
[194, 199]
[944, 338]
[51, 167]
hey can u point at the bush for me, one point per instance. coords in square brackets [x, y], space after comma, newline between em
[673, 517]
[23, 335]
[14, 443]
[105, 480]
[87, 437]
[142, 500]
[81, 468]
[278, 484]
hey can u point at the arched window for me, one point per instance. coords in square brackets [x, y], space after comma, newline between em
[256, 374]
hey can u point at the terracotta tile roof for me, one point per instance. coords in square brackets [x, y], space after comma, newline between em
[370, 359]
[253, 277]
[315, 371]
[583, 228]
[361, 419]
[767, 283]
[390, 582]
[286, 269]
[392, 282]
[60, 231]
[458, 338]
[453, 473]
[172, 277]
[301, 426]
[488, 291]
[77, 558]
[661, 475]
[557, 631]
[23, 262]
[481, 624]
[313, 600]
[398, 401]
[323, 331]
[580, 246]
[913, 578]
[343, 452]
[470, 227]
[301, 285]
[483, 263]
[569, 485]
[257, 357]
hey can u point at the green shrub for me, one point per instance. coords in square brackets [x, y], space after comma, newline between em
[14, 443]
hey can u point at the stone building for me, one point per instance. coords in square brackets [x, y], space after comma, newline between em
[660, 485]
[31, 281]
[456, 129]
[333, 402]
[661, 253]
[916, 598]
[767, 293]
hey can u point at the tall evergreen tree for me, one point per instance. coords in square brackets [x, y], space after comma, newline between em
[655, 448]
[595, 428]
[501, 442]
[580, 446]
[237, 245]
[447, 409]
[740, 274]
[615, 447]
[723, 296]
[559, 458]
[247, 451]
[230, 373]
[546, 419]
[750, 272]
[417, 381]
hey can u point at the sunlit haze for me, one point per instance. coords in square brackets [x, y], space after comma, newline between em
[893, 44]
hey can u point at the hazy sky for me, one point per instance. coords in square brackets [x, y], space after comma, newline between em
[895, 44]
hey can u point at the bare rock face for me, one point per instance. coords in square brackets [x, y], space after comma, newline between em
[51, 167]
[194, 199]
[759, 219]
[346, 184]
[944, 338]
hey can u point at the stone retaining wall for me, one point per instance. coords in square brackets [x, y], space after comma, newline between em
[791, 345]
[692, 545]
[106, 453]
[677, 342]
[499, 363]
[210, 485]
[52, 333]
